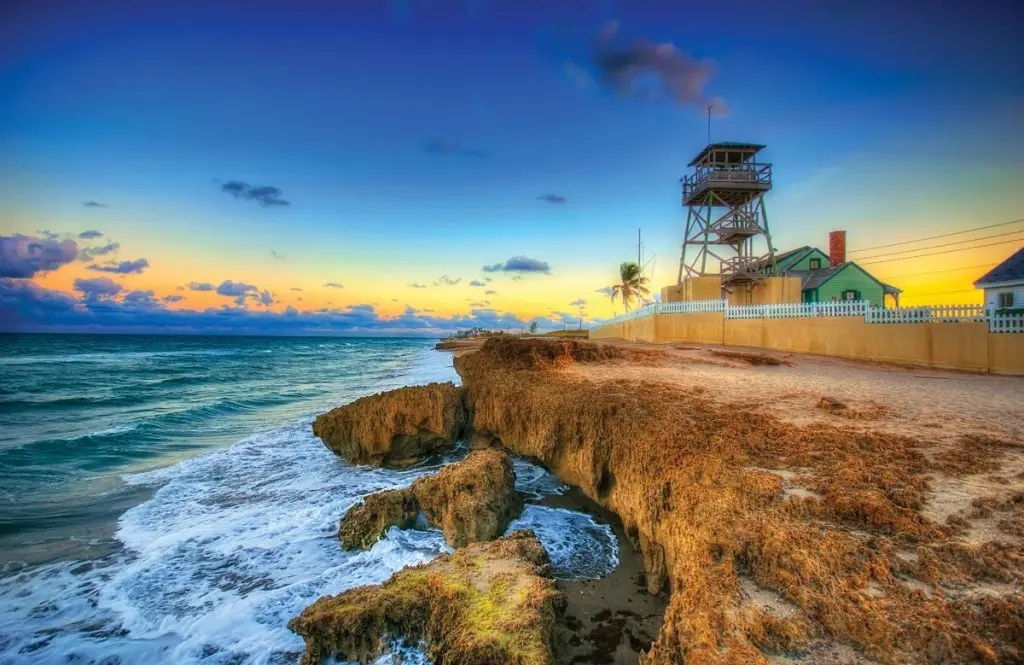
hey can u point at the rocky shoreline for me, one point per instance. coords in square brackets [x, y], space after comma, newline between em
[772, 541]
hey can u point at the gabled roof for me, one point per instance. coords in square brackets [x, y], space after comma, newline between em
[1010, 270]
[779, 258]
[816, 278]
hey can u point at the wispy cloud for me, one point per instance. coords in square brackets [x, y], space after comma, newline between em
[477, 282]
[297, 288]
[237, 290]
[417, 285]
[277, 255]
[579, 302]
[94, 204]
[122, 268]
[450, 147]
[520, 264]
[201, 286]
[333, 285]
[445, 280]
[90, 253]
[265, 195]
[552, 198]
[90, 235]
[490, 292]
[604, 290]
[98, 288]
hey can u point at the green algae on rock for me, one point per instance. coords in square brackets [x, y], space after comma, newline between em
[487, 603]
[470, 501]
[395, 428]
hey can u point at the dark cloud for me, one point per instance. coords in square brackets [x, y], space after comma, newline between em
[643, 69]
[477, 282]
[201, 286]
[445, 280]
[450, 147]
[552, 198]
[98, 288]
[276, 255]
[265, 195]
[237, 290]
[333, 285]
[520, 264]
[25, 256]
[94, 204]
[24, 306]
[417, 285]
[122, 267]
[90, 235]
[90, 253]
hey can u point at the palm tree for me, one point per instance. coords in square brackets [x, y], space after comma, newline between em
[634, 285]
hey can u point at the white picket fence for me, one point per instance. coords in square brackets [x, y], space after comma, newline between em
[997, 322]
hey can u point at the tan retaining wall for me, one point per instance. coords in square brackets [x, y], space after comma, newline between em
[963, 346]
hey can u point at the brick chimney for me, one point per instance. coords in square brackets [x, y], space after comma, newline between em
[836, 248]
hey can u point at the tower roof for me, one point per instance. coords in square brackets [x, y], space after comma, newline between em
[726, 145]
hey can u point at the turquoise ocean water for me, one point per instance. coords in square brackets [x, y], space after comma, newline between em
[163, 500]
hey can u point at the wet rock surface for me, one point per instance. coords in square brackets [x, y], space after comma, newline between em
[487, 603]
[470, 501]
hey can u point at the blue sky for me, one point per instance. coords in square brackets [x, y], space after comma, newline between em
[418, 139]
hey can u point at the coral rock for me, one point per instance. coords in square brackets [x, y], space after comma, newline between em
[487, 603]
[470, 501]
[395, 428]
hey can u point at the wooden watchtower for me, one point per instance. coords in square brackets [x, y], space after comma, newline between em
[726, 218]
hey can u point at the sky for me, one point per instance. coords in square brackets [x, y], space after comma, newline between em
[417, 167]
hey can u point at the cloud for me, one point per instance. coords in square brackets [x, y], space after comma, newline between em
[276, 255]
[25, 256]
[90, 235]
[643, 69]
[173, 298]
[450, 147]
[94, 204]
[520, 264]
[333, 285]
[579, 302]
[265, 195]
[516, 278]
[604, 290]
[447, 281]
[90, 253]
[27, 307]
[98, 288]
[417, 285]
[490, 292]
[296, 288]
[237, 290]
[477, 282]
[477, 305]
[552, 198]
[122, 268]
[266, 298]
[201, 286]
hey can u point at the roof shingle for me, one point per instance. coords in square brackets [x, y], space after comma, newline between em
[1010, 270]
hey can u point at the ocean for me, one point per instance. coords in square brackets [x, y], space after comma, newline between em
[163, 499]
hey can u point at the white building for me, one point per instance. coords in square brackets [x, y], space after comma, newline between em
[1004, 284]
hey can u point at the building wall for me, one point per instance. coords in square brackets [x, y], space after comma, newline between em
[992, 296]
[804, 264]
[963, 346]
[772, 291]
[856, 279]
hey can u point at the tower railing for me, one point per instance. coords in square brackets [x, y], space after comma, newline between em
[748, 173]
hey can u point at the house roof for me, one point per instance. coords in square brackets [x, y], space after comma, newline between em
[1010, 270]
[779, 258]
[816, 278]
[725, 145]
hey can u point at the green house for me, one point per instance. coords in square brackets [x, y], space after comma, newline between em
[828, 279]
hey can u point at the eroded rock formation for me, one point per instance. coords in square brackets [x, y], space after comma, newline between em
[470, 501]
[395, 428]
[488, 603]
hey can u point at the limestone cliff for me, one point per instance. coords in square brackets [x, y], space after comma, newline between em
[470, 501]
[487, 604]
[691, 478]
[395, 428]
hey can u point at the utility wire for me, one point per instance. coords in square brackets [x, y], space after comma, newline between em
[946, 244]
[945, 251]
[943, 235]
[932, 272]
